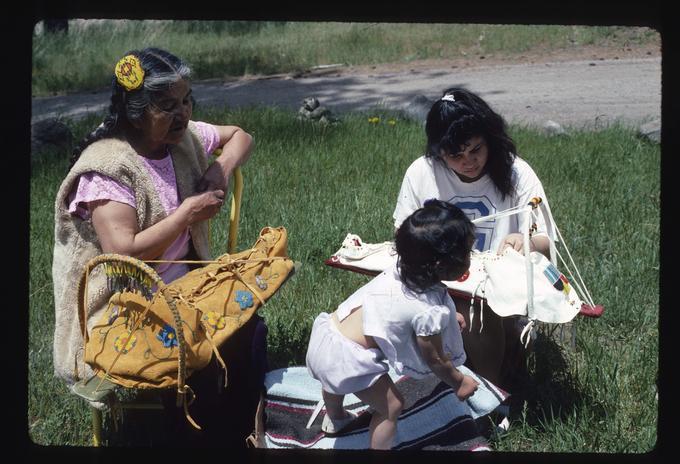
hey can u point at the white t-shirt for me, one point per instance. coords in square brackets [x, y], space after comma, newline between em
[394, 315]
[428, 178]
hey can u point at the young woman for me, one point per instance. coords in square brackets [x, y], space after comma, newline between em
[472, 162]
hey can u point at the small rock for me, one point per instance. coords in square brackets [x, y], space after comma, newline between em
[651, 131]
[553, 128]
[318, 112]
[310, 103]
[417, 108]
[312, 110]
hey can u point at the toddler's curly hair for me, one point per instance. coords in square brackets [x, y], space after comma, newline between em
[435, 238]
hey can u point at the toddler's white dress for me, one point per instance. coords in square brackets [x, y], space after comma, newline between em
[393, 315]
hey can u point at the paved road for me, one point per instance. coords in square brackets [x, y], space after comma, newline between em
[574, 94]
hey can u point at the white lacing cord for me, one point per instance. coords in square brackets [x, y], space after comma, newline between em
[527, 332]
[471, 311]
[472, 307]
[529, 265]
[506, 212]
[317, 410]
[481, 306]
[481, 315]
[554, 253]
[574, 282]
[578, 283]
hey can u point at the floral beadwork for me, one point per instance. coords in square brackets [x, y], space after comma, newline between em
[129, 72]
[215, 320]
[124, 343]
[244, 299]
[261, 283]
[168, 336]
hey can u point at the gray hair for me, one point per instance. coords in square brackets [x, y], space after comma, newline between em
[162, 69]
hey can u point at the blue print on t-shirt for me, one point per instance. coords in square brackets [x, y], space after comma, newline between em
[474, 208]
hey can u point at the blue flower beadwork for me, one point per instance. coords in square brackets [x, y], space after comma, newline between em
[244, 299]
[168, 336]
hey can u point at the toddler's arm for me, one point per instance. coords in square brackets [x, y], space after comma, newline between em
[431, 350]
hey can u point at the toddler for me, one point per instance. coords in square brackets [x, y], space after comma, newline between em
[404, 317]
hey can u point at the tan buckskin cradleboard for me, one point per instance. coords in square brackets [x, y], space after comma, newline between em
[154, 335]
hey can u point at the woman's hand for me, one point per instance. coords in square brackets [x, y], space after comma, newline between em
[201, 206]
[514, 241]
[540, 243]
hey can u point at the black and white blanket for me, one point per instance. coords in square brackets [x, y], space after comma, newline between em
[432, 418]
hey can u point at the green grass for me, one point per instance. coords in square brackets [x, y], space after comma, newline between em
[218, 49]
[322, 182]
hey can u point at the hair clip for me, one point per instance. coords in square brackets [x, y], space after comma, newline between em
[448, 97]
[129, 72]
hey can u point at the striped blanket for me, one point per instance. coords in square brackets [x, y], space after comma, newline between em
[432, 418]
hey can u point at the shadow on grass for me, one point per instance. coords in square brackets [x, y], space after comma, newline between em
[547, 391]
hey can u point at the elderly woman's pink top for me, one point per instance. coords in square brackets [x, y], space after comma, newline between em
[95, 187]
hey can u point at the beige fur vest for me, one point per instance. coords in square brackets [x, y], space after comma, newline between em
[75, 241]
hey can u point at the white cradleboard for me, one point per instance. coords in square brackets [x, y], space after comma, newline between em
[510, 283]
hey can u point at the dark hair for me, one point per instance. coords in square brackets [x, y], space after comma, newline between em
[161, 70]
[450, 124]
[436, 237]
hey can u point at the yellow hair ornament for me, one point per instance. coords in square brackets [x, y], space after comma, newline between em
[129, 72]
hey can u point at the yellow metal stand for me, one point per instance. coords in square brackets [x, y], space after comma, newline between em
[235, 212]
[96, 426]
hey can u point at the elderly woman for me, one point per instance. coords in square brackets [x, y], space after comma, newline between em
[140, 185]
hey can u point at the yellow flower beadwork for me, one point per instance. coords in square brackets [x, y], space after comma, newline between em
[128, 339]
[129, 72]
[215, 320]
